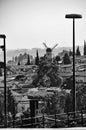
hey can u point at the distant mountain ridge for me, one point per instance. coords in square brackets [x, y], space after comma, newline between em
[10, 53]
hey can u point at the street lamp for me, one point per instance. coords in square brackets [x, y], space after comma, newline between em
[73, 16]
[4, 50]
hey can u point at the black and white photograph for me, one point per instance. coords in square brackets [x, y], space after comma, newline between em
[43, 64]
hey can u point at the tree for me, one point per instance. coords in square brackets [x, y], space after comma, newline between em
[84, 47]
[28, 60]
[11, 103]
[16, 58]
[66, 59]
[68, 83]
[56, 103]
[81, 97]
[25, 55]
[78, 51]
[1, 66]
[57, 58]
[70, 53]
[0, 72]
[37, 58]
[47, 76]
[20, 57]
[1, 108]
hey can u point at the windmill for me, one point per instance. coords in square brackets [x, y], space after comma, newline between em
[49, 51]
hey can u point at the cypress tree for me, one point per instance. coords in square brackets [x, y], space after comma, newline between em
[84, 47]
[28, 60]
[57, 58]
[37, 58]
[66, 59]
[78, 51]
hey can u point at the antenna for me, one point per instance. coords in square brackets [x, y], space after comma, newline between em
[45, 45]
[54, 46]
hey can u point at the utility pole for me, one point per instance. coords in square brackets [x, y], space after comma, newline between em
[3, 47]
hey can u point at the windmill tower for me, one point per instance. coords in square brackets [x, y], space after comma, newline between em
[49, 51]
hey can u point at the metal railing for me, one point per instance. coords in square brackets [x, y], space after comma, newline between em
[64, 120]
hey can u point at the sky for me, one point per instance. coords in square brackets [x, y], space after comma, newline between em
[29, 23]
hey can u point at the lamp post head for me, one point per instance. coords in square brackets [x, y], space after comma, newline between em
[2, 36]
[73, 16]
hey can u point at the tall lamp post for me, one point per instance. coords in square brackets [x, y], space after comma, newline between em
[73, 16]
[4, 50]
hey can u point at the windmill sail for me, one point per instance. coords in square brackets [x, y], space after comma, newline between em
[45, 45]
[54, 46]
